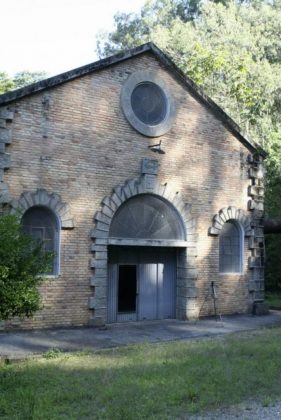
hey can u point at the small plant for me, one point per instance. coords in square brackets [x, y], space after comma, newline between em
[22, 262]
[267, 402]
[53, 353]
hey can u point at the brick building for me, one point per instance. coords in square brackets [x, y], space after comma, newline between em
[146, 190]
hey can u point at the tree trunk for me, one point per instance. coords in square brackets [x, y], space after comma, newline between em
[272, 226]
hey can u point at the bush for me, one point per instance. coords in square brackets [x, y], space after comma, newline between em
[22, 262]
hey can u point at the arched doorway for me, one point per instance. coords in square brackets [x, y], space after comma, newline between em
[143, 238]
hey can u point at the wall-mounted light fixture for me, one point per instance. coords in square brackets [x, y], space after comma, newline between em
[157, 148]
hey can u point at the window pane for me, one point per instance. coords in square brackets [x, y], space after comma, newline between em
[149, 103]
[146, 217]
[41, 224]
[230, 252]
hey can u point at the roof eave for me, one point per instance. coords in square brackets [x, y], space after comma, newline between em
[230, 124]
[53, 81]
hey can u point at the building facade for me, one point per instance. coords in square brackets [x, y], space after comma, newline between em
[147, 192]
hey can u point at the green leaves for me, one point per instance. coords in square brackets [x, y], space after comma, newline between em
[22, 262]
[20, 80]
[231, 49]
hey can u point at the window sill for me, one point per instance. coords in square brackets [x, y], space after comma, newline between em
[232, 274]
[51, 276]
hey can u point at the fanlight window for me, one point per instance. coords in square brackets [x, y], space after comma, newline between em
[42, 225]
[231, 248]
[147, 217]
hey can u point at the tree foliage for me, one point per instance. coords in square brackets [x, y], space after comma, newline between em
[232, 49]
[21, 262]
[20, 80]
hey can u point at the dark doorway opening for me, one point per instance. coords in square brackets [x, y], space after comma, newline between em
[127, 288]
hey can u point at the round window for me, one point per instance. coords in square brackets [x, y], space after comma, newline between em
[147, 103]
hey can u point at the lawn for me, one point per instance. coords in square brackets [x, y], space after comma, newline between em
[273, 299]
[149, 381]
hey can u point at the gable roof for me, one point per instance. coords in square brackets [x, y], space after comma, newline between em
[228, 122]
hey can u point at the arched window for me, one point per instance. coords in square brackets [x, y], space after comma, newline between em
[42, 224]
[147, 216]
[231, 248]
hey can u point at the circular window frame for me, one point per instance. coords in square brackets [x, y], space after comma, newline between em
[129, 86]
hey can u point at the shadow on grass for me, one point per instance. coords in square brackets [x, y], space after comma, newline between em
[145, 381]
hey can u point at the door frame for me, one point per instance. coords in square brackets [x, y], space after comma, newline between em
[138, 261]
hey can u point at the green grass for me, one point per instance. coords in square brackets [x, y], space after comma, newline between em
[149, 381]
[273, 299]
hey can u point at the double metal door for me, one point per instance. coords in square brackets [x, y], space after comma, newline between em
[141, 284]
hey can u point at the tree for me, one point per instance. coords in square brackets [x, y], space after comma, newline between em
[20, 80]
[134, 29]
[6, 83]
[231, 50]
[22, 262]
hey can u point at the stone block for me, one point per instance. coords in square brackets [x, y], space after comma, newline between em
[5, 160]
[100, 292]
[98, 280]
[187, 272]
[192, 251]
[213, 231]
[5, 135]
[97, 233]
[107, 202]
[97, 303]
[102, 226]
[188, 262]
[98, 248]
[260, 308]
[68, 224]
[218, 221]
[119, 192]
[252, 286]
[55, 199]
[132, 186]
[116, 200]
[6, 114]
[108, 211]
[97, 321]
[91, 303]
[101, 272]
[101, 255]
[224, 214]
[101, 241]
[5, 197]
[98, 263]
[149, 166]
[187, 292]
[101, 217]
[2, 123]
[149, 183]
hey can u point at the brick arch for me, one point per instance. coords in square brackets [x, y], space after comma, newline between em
[230, 213]
[146, 184]
[133, 188]
[41, 197]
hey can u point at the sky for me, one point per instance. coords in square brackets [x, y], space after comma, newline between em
[55, 35]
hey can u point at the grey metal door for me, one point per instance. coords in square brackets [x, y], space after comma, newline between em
[156, 282]
[148, 290]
